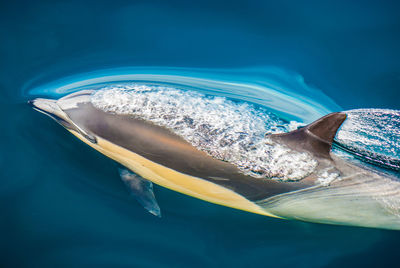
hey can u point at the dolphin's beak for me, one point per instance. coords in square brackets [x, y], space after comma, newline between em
[48, 107]
[52, 109]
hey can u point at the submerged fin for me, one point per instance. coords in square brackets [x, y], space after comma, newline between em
[142, 190]
[316, 137]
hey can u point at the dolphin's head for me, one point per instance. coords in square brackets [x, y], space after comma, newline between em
[61, 110]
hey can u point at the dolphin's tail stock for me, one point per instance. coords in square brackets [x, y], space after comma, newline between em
[355, 195]
[360, 199]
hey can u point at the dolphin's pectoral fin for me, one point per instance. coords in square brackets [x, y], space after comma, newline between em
[142, 190]
[316, 137]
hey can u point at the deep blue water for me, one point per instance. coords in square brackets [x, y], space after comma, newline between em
[64, 205]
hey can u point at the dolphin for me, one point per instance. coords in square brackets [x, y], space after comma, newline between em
[337, 191]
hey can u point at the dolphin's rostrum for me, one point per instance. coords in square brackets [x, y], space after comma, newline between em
[333, 191]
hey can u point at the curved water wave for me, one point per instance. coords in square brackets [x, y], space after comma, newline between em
[283, 92]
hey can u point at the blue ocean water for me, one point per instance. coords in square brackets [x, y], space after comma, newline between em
[64, 205]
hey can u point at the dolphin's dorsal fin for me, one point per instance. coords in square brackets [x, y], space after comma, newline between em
[316, 137]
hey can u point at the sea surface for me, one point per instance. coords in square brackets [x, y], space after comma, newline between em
[63, 204]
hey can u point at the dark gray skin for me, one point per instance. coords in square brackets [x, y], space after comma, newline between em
[358, 196]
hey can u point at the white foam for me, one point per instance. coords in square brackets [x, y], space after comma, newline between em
[326, 176]
[226, 130]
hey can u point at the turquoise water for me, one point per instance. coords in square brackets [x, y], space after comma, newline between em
[64, 205]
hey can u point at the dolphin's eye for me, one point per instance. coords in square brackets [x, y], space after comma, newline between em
[90, 138]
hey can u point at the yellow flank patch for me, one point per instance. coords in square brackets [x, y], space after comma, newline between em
[173, 179]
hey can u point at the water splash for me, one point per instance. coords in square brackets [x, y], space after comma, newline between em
[227, 130]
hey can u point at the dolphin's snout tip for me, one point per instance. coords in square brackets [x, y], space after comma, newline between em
[46, 106]
[41, 103]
